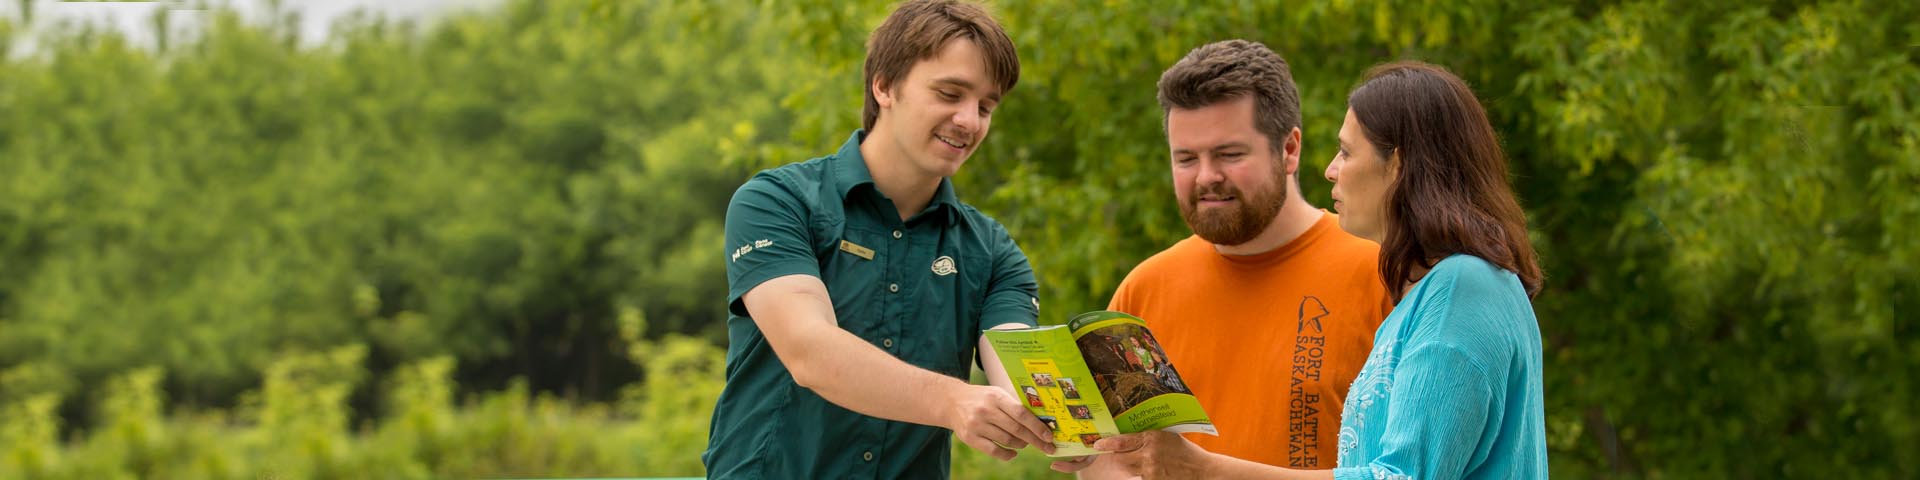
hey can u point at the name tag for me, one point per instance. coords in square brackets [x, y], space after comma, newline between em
[862, 252]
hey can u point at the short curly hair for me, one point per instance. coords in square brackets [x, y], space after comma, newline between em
[1227, 70]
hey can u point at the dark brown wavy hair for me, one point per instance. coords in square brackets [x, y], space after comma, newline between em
[917, 29]
[1451, 193]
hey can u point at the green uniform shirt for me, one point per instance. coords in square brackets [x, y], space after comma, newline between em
[921, 290]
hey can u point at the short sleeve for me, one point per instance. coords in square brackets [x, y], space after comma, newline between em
[1012, 292]
[768, 237]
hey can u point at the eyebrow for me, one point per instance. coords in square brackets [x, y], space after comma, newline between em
[963, 83]
[1222, 146]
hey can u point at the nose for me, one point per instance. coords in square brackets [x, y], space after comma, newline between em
[1333, 170]
[1210, 172]
[968, 118]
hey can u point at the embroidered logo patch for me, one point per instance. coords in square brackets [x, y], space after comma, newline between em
[748, 248]
[943, 266]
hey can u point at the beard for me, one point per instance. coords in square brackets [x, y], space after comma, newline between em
[1240, 223]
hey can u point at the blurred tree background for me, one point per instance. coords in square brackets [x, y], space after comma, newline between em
[490, 245]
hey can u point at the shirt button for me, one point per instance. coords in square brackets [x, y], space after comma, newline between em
[897, 234]
[867, 456]
[887, 343]
[893, 287]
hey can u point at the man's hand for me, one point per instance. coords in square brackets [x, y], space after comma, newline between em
[1156, 454]
[990, 420]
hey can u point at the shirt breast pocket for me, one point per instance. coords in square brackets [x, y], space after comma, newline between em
[852, 272]
[956, 290]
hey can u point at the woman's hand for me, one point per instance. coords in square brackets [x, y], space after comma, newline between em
[1156, 454]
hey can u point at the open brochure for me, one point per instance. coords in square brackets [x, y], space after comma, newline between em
[1102, 374]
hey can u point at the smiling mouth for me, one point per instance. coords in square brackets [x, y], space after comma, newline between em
[951, 142]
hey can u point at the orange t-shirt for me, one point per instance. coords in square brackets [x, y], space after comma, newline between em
[1269, 343]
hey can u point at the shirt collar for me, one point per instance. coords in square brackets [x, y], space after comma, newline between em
[850, 170]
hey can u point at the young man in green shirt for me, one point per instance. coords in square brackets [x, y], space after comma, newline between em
[858, 284]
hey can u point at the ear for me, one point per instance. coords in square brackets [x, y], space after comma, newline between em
[881, 94]
[1290, 152]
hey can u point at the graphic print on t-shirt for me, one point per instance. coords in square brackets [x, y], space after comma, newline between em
[1303, 412]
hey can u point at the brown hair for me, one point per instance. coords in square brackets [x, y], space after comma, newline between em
[1227, 70]
[917, 30]
[1451, 193]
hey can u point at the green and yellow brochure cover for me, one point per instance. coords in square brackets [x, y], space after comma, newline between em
[1102, 374]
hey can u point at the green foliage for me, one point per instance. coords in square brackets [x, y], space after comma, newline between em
[493, 189]
[296, 426]
[676, 403]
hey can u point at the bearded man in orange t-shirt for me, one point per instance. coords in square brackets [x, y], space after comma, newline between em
[1269, 310]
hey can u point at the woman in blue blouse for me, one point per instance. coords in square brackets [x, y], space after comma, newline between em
[1451, 389]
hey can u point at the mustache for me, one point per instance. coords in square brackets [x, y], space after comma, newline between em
[1218, 189]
